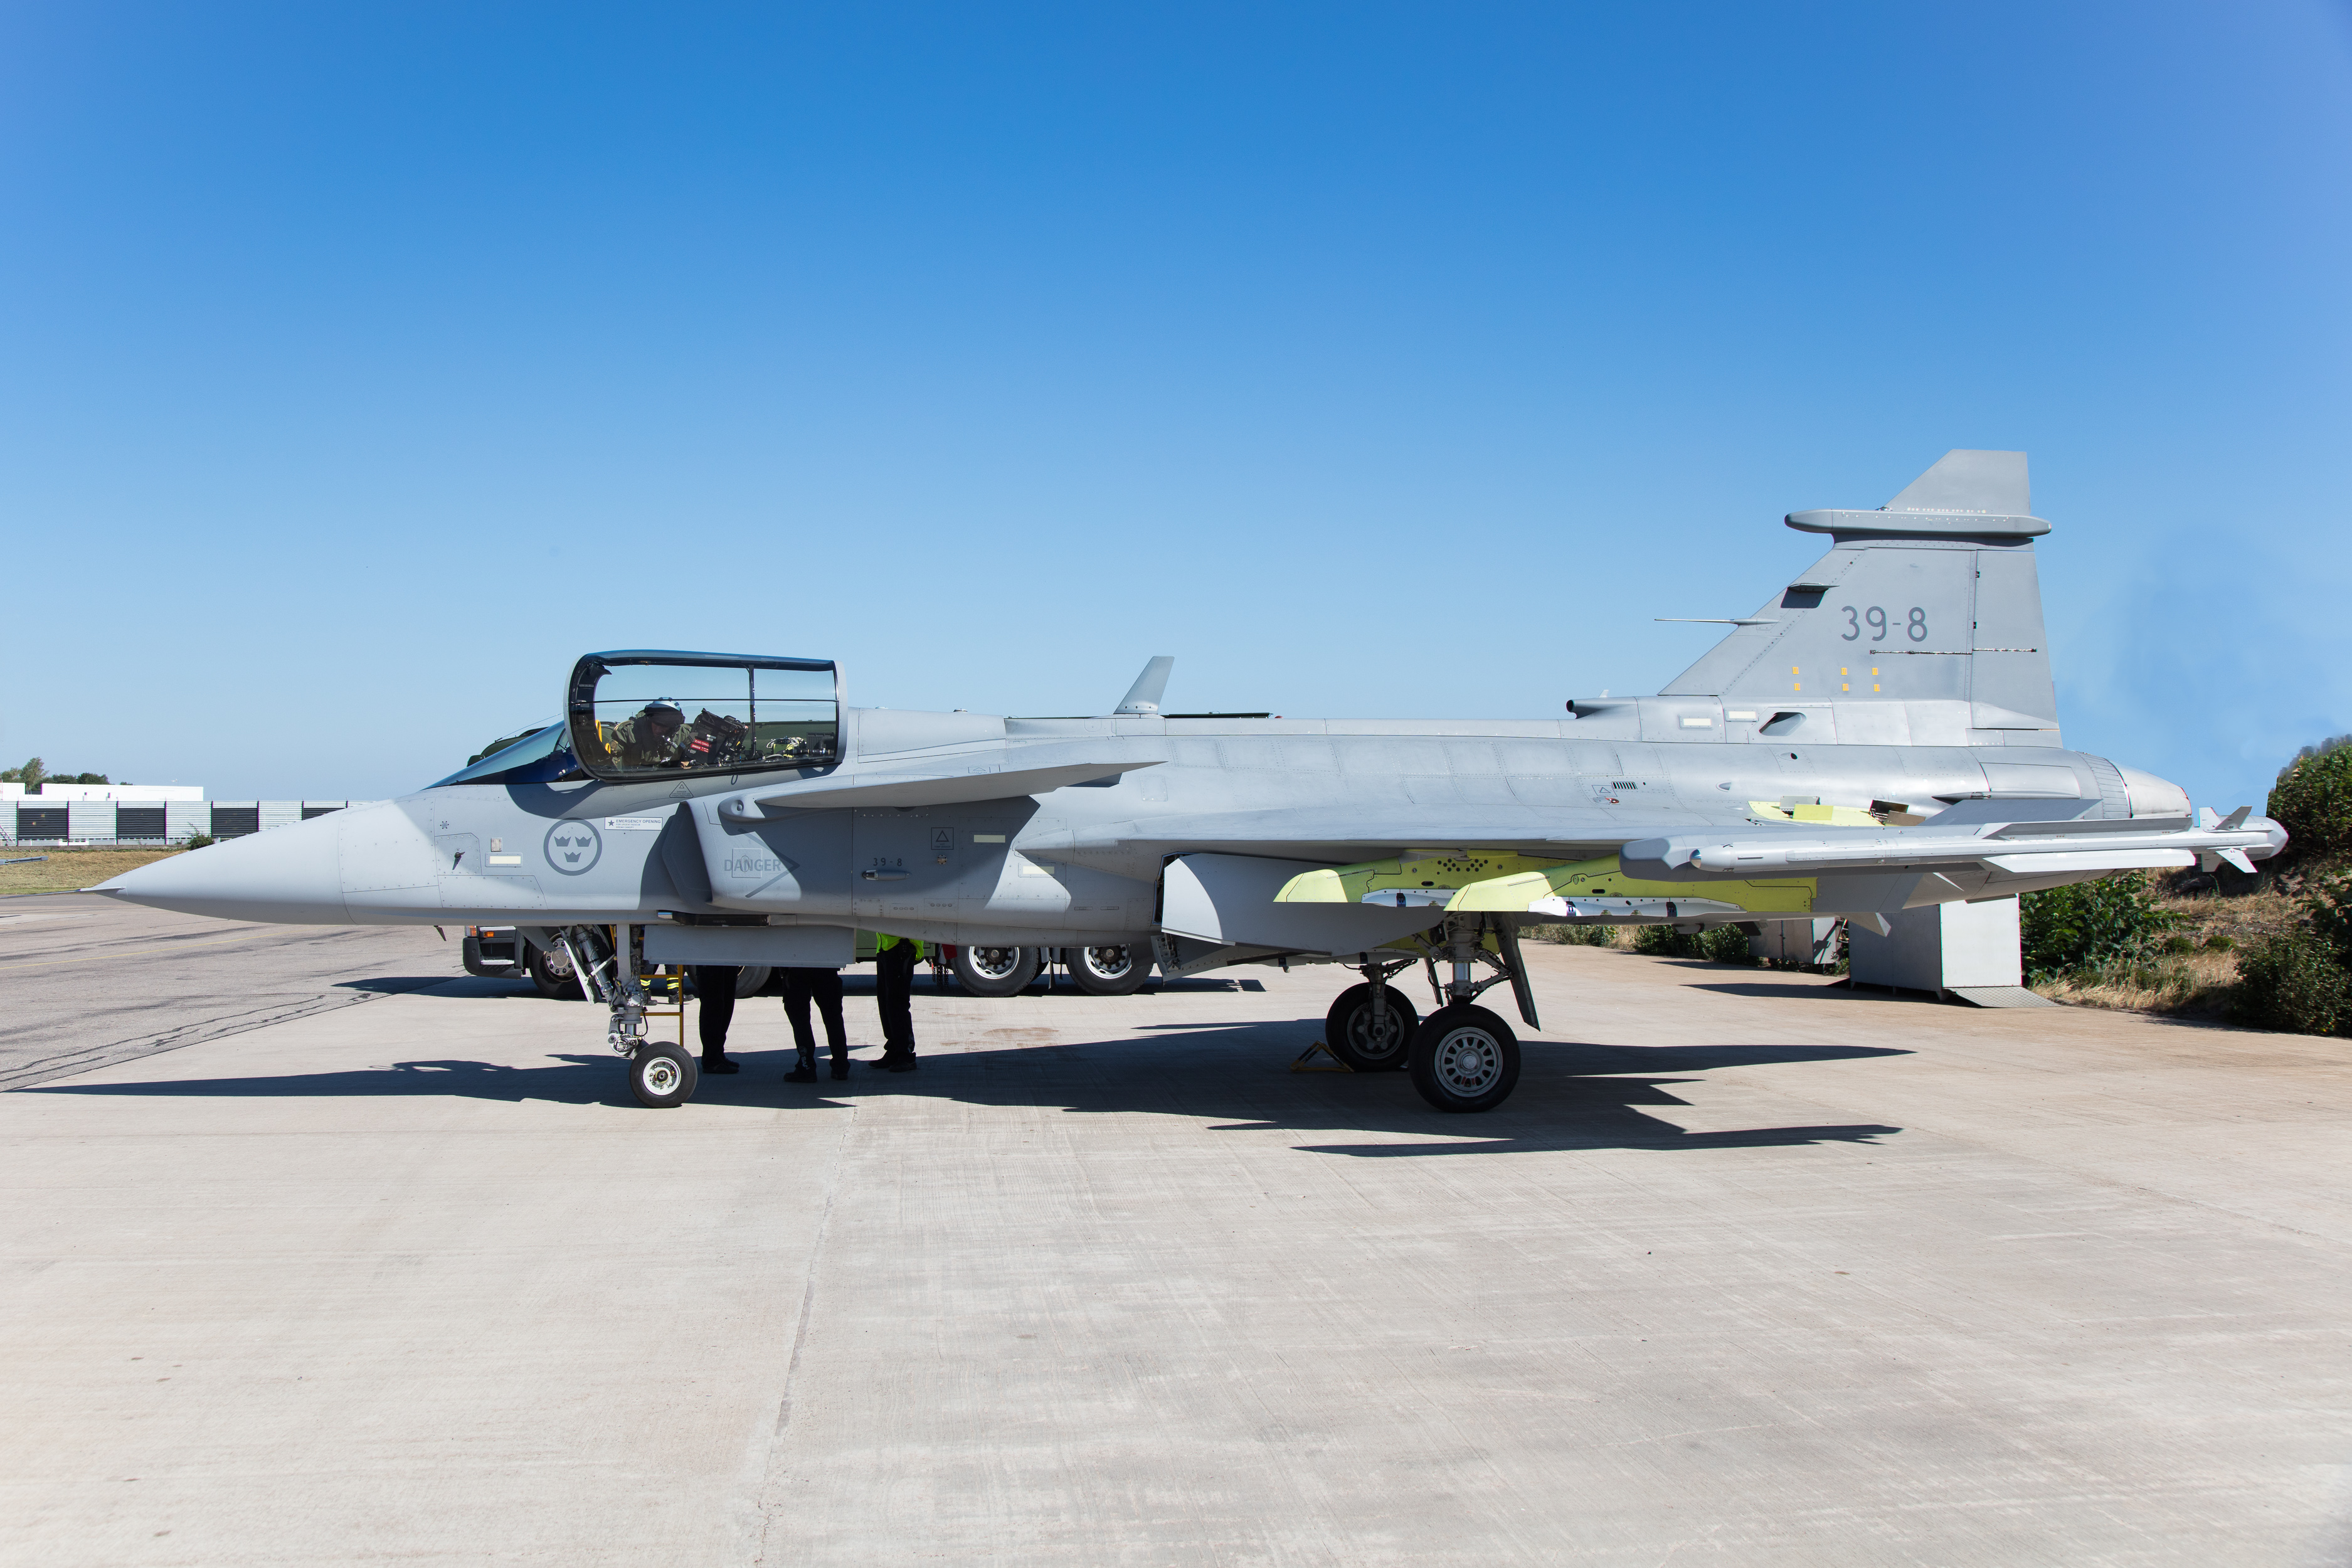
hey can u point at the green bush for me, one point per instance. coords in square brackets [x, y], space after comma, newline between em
[2220, 941]
[2088, 924]
[1717, 945]
[2328, 909]
[197, 841]
[2313, 800]
[1666, 942]
[1724, 944]
[1567, 935]
[2292, 981]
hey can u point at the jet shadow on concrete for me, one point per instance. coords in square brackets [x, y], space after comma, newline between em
[1571, 1096]
[475, 987]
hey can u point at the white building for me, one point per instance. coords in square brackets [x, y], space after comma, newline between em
[68, 813]
[53, 792]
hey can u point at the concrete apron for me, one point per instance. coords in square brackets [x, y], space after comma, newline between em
[1746, 1271]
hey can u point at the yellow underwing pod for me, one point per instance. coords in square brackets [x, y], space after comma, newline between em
[1417, 878]
[1501, 882]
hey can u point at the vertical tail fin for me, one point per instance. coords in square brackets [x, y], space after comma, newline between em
[1922, 625]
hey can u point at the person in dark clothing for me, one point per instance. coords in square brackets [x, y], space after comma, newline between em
[714, 987]
[823, 988]
[894, 991]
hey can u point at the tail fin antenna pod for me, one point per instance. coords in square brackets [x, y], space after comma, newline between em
[1143, 697]
[1922, 625]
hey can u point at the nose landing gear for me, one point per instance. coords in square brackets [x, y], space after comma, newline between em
[662, 1074]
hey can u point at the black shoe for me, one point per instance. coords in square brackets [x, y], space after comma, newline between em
[721, 1065]
[804, 1073]
[840, 1068]
[903, 1063]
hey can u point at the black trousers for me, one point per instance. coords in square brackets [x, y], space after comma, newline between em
[714, 988]
[821, 987]
[894, 991]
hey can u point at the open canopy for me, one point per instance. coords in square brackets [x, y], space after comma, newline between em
[648, 713]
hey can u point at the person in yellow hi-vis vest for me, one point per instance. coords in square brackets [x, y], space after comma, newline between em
[895, 958]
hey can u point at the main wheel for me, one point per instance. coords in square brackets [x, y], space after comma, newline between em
[1465, 1059]
[1348, 1031]
[751, 979]
[552, 974]
[995, 971]
[1108, 971]
[662, 1075]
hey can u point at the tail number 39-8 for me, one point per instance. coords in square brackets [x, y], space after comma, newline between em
[1916, 628]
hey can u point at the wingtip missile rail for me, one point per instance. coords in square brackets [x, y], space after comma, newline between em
[2022, 847]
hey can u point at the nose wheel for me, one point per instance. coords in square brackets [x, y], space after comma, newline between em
[661, 1076]
[1465, 1059]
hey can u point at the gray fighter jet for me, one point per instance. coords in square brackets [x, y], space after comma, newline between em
[1880, 734]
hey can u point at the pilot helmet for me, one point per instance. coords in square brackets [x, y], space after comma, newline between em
[665, 712]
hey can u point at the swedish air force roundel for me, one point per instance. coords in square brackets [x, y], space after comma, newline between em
[573, 847]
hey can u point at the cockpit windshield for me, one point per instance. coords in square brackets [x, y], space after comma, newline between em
[537, 756]
[647, 714]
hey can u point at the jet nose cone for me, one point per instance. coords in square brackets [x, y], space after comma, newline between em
[289, 874]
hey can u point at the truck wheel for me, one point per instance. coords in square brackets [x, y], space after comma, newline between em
[1465, 1059]
[551, 972]
[1118, 970]
[995, 971]
[1348, 1030]
[662, 1075]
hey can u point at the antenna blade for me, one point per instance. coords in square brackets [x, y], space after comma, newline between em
[1143, 697]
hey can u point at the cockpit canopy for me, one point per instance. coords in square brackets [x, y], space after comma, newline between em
[645, 714]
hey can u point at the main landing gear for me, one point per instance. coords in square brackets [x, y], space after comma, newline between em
[1370, 1027]
[1461, 1057]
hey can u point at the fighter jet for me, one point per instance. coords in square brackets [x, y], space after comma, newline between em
[1880, 734]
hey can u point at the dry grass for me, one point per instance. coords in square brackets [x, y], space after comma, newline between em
[1618, 937]
[2188, 985]
[2195, 983]
[66, 869]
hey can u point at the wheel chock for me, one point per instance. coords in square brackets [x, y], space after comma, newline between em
[1306, 1062]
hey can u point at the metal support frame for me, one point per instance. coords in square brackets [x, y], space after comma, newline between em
[1378, 975]
[1461, 945]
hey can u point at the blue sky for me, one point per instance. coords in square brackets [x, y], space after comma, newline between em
[362, 366]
